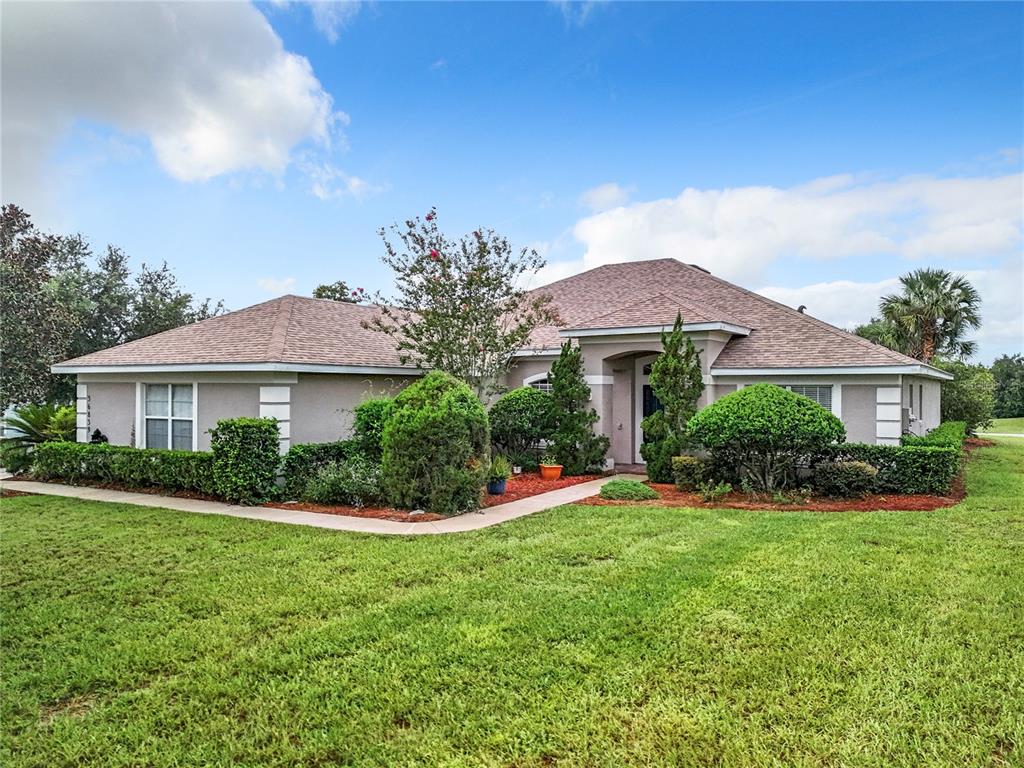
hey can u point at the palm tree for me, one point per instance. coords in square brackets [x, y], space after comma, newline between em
[933, 314]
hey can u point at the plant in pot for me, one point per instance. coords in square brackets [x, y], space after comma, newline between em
[500, 470]
[550, 469]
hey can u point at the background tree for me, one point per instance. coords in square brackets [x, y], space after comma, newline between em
[460, 306]
[678, 382]
[573, 442]
[339, 291]
[929, 318]
[970, 396]
[1008, 373]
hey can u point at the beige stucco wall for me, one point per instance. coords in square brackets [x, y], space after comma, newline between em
[322, 404]
[223, 401]
[112, 411]
[525, 369]
[859, 412]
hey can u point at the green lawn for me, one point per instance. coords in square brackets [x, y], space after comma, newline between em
[1010, 426]
[583, 636]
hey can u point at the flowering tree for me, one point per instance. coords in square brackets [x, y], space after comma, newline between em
[460, 305]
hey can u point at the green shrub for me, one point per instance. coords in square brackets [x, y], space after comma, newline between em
[660, 446]
[131, 467]
[246, 457]
[500, 470]
[303, 461]
[630, 490]
[15, 459]
[844, 479]
[520, 419]
[970, 397]
[573, 442]
[689, 471]
[354, 481]
[368, 428]
[907, 469]
[763, 431]
[32, 425]
[436, 446]
[711, 491]
[949, 433]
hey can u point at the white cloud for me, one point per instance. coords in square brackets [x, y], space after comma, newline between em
[331, 16]
[328, 182]
[846, 304]
[276, 285]
[605, 196]
[736, 232]
[210, 86]
[575, 12]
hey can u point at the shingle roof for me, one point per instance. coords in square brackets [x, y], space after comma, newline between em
[291, 329]
[299, 330]
[781, 337]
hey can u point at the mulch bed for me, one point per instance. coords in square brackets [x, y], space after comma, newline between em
[379, 513]
[151, 490]
[5, 493]
[530, 484]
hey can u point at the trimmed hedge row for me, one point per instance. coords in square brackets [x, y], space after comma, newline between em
[302, 463]
[246, 457]
[138, 468]
[948, 433]
[907, 469]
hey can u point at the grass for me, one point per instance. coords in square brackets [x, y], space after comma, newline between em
[1009, 426]
[583, 636]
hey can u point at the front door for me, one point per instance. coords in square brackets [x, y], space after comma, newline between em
[645, 399]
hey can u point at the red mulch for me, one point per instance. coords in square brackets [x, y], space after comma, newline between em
[530, 484]
[5, 493]
[379, 513]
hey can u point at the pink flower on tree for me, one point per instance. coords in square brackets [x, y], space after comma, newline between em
[434, 254]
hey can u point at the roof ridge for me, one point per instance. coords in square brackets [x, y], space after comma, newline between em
[279, 335]
[810, 318]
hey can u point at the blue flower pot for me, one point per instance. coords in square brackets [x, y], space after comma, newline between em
[496, 487]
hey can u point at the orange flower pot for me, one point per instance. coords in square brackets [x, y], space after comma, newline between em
[550, 471]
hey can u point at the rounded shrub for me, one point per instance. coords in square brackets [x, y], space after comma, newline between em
[436, 447]
[689, 472]
[628, 490]
[520, 419]
[844, 479]
[763, 431]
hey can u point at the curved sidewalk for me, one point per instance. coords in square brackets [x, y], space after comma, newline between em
[468, 522]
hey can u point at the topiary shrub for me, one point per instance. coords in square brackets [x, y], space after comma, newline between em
[949, 433]
[689, 472]
[520, 419]
[303, 461]
[368, 427]
[629, 490]
[764, 430]
[354, 481]
[436, 447]
[246, 457]
[573, 442]
[844, 479]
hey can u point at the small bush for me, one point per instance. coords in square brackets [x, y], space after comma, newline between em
[368, 429]
[763, 431]
[303, 461]
[15, 459]
[711, 491]
[246, 457]
[909, 469]
[689, 471]
[520, 420]
[354, 481]
[629, 490]
[436, 447]
[949, 433]
[131, 467]
[500, 470]
[844, 479]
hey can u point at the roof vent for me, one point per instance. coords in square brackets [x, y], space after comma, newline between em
[700, 268]
[801, 308]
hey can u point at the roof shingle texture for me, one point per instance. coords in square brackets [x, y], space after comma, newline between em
[295, 329]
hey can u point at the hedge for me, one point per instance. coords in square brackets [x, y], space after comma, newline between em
[132, 467]
[303, 462]
[948, 433]
[904, 469]
[844, 479]
[246, 456]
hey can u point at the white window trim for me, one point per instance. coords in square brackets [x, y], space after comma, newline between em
[140, 412]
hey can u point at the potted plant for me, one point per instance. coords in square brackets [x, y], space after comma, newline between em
[498, 477]
[550, 469]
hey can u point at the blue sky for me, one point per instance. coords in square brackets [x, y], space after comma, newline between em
[811, 151]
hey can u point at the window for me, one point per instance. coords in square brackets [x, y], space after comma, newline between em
[819, 393]
[169, 416]
[542, 384]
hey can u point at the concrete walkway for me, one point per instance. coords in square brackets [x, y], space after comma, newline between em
[999, 434]
[468, 522]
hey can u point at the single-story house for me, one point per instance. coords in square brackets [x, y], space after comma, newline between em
[308, 362]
